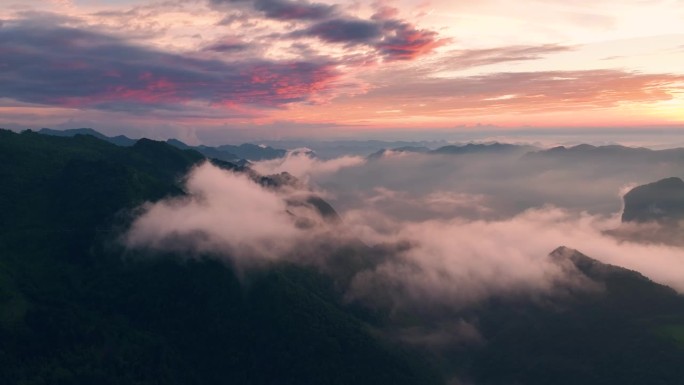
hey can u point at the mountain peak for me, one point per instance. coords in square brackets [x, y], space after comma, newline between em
[661, 201]
[562, 251]
[580, 260]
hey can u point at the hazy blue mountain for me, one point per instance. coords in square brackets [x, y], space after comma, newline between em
[483, 148]
[209, 152]
[411, 149]
[328, 149]
[460, 149]
[589, 153]
[253, 152]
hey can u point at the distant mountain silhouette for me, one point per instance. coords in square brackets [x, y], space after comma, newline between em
[229, 153]
[482, 148]
[454, 149]
[589, 153]
[209, 152]
[661, 201]
[253, 152]
[119, 140]
[328, 149]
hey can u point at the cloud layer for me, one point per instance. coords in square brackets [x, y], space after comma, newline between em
[459, 262]
[428, 262]
[304, 165]
[73, 67]
[495, 185]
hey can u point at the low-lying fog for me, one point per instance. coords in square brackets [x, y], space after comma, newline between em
[467, 226]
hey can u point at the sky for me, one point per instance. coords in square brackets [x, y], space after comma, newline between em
[232, 70]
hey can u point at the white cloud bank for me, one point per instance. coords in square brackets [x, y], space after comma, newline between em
[224, 212]
[302, 165]
[448, 261]
[460, 261]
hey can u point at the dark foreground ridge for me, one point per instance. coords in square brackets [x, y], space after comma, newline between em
[75, 308]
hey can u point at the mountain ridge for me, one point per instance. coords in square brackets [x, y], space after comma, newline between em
[227, 152]
[75, 305]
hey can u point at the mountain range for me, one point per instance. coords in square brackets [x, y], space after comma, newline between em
[230, 153]
[78, 307]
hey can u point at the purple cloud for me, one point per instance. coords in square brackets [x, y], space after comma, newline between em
[294, 10]
[285, 9]
[350, 31]
[393, 39]
[71, 67]
[389, 36]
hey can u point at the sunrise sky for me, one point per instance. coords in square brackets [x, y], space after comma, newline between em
[241, 69]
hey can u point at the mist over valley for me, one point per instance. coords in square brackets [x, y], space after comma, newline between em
[465, 263]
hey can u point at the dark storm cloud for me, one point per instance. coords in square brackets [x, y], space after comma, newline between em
[403, 41]
[72, 67]
[294, 10]
[227, 46]
[392, 38]
[284, 9]
[351, 31]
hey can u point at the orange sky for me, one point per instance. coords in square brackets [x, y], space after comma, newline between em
[282, 68]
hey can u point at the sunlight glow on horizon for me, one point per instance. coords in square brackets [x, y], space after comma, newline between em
[390, 65]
